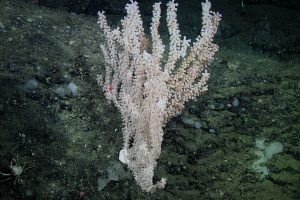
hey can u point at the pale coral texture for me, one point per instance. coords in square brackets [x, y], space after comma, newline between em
[150, 85]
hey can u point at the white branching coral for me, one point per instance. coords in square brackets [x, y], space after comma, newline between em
[147, 91]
